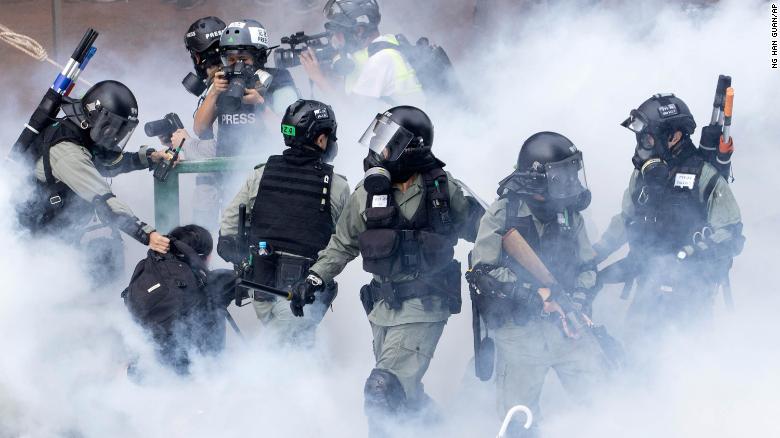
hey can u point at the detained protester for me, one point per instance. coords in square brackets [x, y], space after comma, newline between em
[179, 301]
[541, 200]
[404, 219]
[244, 92]
[364, 68]
[295, 200]
[71, 160]
[679, 217]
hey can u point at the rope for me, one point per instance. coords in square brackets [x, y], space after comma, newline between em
[30, 47]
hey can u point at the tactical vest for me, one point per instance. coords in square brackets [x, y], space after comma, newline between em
[667, 224]
[53, 205]
[558, 248]
[421, 245]
[292, 209]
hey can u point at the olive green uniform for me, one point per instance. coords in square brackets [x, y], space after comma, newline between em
[276, 314]
[654, 293]
[404, 339]
[526, 350]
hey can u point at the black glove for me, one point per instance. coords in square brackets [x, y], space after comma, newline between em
[303, 292]
[710, 139]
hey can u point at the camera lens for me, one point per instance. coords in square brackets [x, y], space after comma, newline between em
[157, 127]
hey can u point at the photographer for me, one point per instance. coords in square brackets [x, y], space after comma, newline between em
[377, 74]
[244, 92]
[202, 43]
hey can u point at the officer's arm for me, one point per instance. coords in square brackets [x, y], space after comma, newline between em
[227, 244]
[465, 210]
[339, 196]
[72, 165]
[615, 235]
[343, 245]
[488, 247]
[725, 220]
[128, 162]
[587, 276]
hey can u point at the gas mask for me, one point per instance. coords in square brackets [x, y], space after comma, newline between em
[109, 132]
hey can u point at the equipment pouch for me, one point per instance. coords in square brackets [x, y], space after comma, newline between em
[264, 269]
[380, 217]
[452, 281]
[289, 270]
[378, 248]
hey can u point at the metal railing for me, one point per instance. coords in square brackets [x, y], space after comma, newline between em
[166, 194]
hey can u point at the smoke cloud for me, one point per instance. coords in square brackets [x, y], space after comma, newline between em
[577, 70]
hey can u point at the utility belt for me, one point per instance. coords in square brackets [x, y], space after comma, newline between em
[518, 305]
[444, 284]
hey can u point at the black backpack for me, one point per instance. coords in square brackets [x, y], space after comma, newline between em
[431, 64]
[166, 288]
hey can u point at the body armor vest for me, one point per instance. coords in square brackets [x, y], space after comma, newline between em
[53, 205]
[423, 244]
[557, 248]
[666, 224]
[292, 208]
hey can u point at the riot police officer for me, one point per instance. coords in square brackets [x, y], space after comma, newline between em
[679, 217]
[365, 69]
[72, 158]
[295, 200]
[404, 219]
[238, 99]
[542, 200]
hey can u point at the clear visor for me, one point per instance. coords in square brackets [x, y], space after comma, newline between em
[635, 122]
[112, 132]
[386, 138]
[566, 178]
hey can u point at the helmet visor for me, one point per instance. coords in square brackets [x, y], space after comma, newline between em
[112, 132]
[386, 138]
[566, 178]
[635, 122]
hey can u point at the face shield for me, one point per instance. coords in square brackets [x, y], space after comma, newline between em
[566, 178]
[111, 132]
[635, 122]
[386, 138]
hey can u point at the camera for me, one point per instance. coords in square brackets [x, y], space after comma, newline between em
[194, 84]
[298, 42]
[241, 76]
[164, 127]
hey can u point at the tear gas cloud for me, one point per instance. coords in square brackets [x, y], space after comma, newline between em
[575, 70]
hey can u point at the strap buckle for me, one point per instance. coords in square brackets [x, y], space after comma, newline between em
[56, 199]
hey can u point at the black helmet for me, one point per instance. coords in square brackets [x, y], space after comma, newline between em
[398, 129]
[549, 165]
[659, 117]
[202, 41]
[248, 36]
[350, 14]
[110, 112]
[305, 120]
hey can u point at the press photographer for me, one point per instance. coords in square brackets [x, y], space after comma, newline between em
[244, 93]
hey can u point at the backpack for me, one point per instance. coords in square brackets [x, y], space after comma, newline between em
[431, 64]
[166, 288]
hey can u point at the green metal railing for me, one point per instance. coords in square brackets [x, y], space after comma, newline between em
[166, 194]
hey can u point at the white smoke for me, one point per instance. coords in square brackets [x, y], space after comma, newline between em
[575, 70]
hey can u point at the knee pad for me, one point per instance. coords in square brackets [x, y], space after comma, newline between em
[383, 392]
